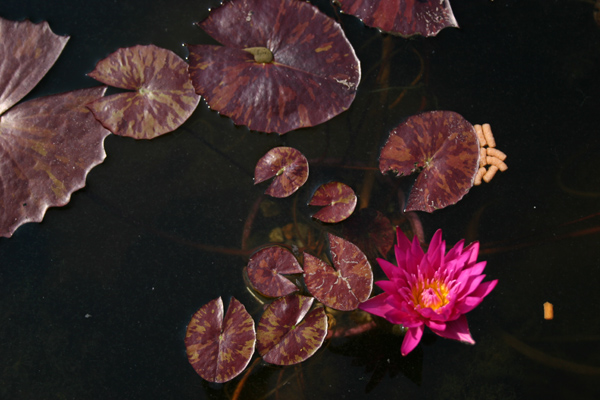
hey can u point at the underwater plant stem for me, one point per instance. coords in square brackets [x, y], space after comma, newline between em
[240, 385]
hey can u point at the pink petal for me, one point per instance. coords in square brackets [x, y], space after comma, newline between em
[456, 250]
[473, 300]
[469, 285]
[403, 242]
[476, 269]
[388, 287]
[390, 270]
[411, 339]
[457, 330]
[377, 305]
[473, 248]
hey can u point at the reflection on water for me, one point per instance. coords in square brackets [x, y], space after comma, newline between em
[95, 300]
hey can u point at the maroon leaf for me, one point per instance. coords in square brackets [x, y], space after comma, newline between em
[265, 268]
[286, 334]
[163, 99]
[287, 165]
[219, 349]
[445, 146]
[344, 287]
[312, 76]
[403, 17]
[47, 147]
[339, 200]
[371, 231]
[27, 51]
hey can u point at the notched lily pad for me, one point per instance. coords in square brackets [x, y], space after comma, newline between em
[403, 17]
[288, 333]
[287, 165]
[220, 348]
[266, 269]
[47, 147]
[444, 147]
[283, 65]
[338, 199]
[163, 96]
[345, 286]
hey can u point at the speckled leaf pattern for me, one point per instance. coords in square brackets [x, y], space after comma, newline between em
[344, 287]
[287, 165]
[445, 146]
[266, 269]
[339, 200]
[220, 348]
[403, 17]
[313, 77]
[162, 98]
[27, 51]
[47, 147]
[287, 333]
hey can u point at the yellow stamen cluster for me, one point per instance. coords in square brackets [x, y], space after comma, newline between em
[432, 294]
[490, 159]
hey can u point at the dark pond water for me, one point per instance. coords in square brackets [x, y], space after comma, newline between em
[95, 300]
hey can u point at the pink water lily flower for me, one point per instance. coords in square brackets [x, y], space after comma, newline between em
[435, 289]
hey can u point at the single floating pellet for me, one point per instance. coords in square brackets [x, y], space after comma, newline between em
[548, 310]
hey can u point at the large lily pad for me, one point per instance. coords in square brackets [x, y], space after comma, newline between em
[220, 348]
[287, 333]
[27, 51]
[345, 286]
[162, 99]
[403, 17]
[338, 199]
[266, 269]
[287, 165]
[444, 147]
[309, 74]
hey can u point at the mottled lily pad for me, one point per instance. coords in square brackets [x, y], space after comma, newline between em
[220, 348]
[345, 286]
[27, 51]
[287, 333]
[444, 147]
[162, 99]
[284, 65]
[403, 17]
[266, 269]
[371, 231]
[338, 199]
[287, 165]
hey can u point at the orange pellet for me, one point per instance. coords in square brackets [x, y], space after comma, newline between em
[548, 310]
[487, 177]
[482, 157]
[496, 153]
[487, 133]
[497, 162]
[479, 175]
[479, 133]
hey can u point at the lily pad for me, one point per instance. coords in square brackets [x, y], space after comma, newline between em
[27, 52]
[284, 65]
[371, 231]
[444, 147]
[403, 17]
[266, 269]
[345, 286]
[339, 200]
[220, 348]
[287, 333]
[287, 165]
[163, 96]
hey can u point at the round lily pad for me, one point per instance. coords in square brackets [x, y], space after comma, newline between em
[284, 65]
[162, 96]
[220, 348]
[266, 269]
[443, 146]
[288, 333]
[339, 200]
[403, 17]
[345, 286]
[287, 165]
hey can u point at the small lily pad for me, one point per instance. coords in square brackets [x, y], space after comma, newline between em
[287, 165]
[266, 269]
[287, 333]
[345, 286]
[220, 348]
[283, 65]
[339, 200]
[403, 17]
[443, 146]
[162, 99]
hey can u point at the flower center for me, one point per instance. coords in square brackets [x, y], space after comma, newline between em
[430, 294]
